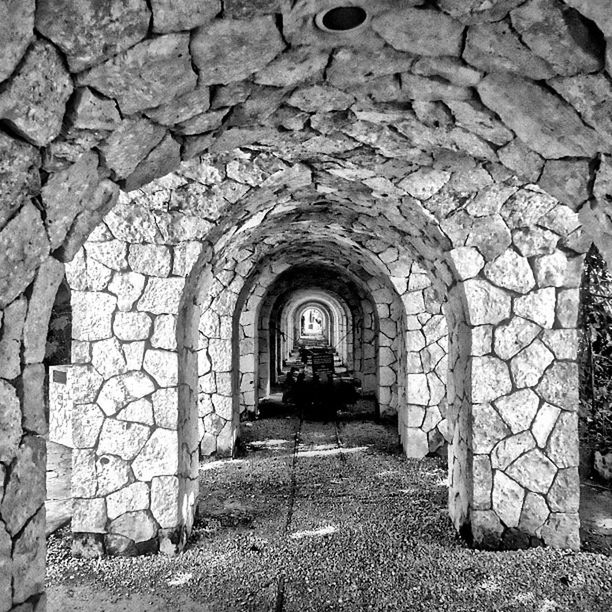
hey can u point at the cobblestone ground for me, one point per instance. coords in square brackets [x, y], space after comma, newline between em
[328, 516]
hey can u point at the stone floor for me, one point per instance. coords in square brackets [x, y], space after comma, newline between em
[316, 516]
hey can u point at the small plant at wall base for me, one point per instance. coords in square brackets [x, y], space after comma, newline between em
[596, 363]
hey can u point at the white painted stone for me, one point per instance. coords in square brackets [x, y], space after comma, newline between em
[185, 256]
[416, 444]
[562, 342]
[550, 270]
[107, 357]
[534, 514]
[568, 307]
[220, 353]
[507, 499]
[432, 418]
[415, 415]
[518, 409]
[529, 365]
[162, 295]
[562, 445]
[122, 389]
[130, 326]
[127, 286]
[83, 476]
[164, 332]
[537, 306]
[138, 526]
[162, 366]
[534, 471]
[122, 438]
[92, 315]
[165, 501]
[511, 271]
[559, 385]
[467, 261]
[415, 341]
[134, 354]
[531, 241]
[512, 337]
[130, 498]
[486, 303]
[413, 302]
[113, 473]
[544, 423]
[490, 379]
[140, 411]
[150, 259]
[483, 482]
[159, 456]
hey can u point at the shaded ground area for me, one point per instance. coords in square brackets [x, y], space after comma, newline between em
[323, 516]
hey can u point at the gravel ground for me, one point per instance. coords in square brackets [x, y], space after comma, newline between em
[321, 517]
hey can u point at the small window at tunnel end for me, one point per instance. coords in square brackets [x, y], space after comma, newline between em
[342, 19]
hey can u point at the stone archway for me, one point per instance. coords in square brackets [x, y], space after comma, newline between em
[532, 109]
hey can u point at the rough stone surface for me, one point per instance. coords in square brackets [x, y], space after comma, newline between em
[158, 457]
[508, 498]
[138, 526]
[231, 50]
[528, 366]
[122, 389]
[490, 379]
[16, 33]
[511, 271]
[164, 500]
[487, 304]
[518, 409]
[34, 100]
[541, 120]
[409, 30]
[89, 31]
[146, 75]
[176, 15]
[122, 438]
[10, 423]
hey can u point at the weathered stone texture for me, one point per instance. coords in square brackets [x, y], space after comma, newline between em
[176, 15]
[231, 50]
[88, 31]
[34, 100]
[16, 33]
[147, 75]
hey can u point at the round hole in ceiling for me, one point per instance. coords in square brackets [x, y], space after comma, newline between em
[342, 19]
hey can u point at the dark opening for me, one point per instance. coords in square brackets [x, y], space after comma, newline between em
[343, 18]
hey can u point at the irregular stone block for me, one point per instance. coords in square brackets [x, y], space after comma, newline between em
[176, 15]
[113, 473]
[23, 247]
[122, 438]
[122, 389]
[475, 11]
[294, 67]
[531, 241]
[319, 98]
[24, 493]
[89, 515]
[415, 87]
[87, 545]
[128, 288]
[559, 36]
[562, 531]
[129, 144]
[108, 358]
[159, 457]
[488, 428]
[182, 107]
[19, 176]
[83, 477]
[10, 340]
[542, 121]
[29, 559]
[16, 34]
[92, 315]
[537, 306]
[33, 102]
[495, 47]
[138, 526]
[10, 423]
[165, 501]
[449, 68]
[521, 160]
[416, 444]
[165, 407]
[150, 259]
[162, 160]
[486, 303]
[131, 326]
[89, 31]
[164, 333]
[490, 379]
[162, 366]
[567, 180]
[66, 194]
[487, 529]
[483, 482]
[134, 354]
[534, 471]
[129, 499]
[534, 514]
[518, 409]
[529, 365]
[230, 50]
[508, 498]
[111, 253]
[33, 399]
[559, 385]
[90, 111]
[511, 271]
[564, 495]
[84, 383]
[568, 307]
[162, 295]
[140, 411]
[410, 30]
[86, 424]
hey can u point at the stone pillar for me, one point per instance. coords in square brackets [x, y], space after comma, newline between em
[522, 313]
[131, 460]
